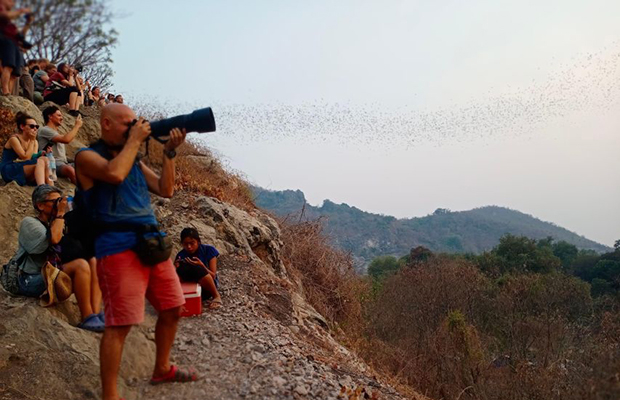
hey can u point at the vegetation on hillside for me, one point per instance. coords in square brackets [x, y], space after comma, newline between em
[530, 319]
[368, 235]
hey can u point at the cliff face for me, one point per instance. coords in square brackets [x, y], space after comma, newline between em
[265, 342]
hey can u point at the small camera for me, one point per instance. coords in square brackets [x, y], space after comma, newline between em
[79, 68]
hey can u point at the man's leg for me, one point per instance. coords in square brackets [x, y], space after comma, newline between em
[110, 354]
[165, 331]
[6, 80]
[79, 271]
[27, 85]
[67, 171]
[95, 290]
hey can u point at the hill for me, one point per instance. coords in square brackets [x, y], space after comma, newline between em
[368, 235]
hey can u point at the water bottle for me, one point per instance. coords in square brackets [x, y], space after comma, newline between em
[69, 203]
[52, 163]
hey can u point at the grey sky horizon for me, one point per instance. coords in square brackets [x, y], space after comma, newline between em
[397, 107]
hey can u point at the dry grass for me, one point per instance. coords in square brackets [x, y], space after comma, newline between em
[199, 172]
[329, 281]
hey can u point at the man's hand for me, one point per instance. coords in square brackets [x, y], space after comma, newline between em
[61, 206]
[140, 130]
[78, 122]
[177, 137]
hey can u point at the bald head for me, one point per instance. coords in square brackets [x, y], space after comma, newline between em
[115, 121]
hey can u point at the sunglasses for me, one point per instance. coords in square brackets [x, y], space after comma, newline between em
[33, 126]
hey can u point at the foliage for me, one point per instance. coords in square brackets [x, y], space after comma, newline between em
[383, 266]
[74, 31]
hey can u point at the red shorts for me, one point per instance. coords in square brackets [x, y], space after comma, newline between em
[125, 282]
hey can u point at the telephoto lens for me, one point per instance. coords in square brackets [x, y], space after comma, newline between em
[200, 121]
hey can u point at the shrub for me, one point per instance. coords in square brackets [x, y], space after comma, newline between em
[327, 275]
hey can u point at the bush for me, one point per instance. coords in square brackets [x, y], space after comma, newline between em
[327, 275]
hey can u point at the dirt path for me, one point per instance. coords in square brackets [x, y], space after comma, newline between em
[244, 350]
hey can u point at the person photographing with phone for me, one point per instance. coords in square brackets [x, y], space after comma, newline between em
[197, 263]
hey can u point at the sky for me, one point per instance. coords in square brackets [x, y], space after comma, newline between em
[397, 107]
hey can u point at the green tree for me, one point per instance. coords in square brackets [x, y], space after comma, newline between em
[566, 252]
[383, 266]
[520, 254]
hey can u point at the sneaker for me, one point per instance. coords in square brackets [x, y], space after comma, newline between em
[74, 113]
[92, 323]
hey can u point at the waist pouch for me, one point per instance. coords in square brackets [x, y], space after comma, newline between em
[153, 247]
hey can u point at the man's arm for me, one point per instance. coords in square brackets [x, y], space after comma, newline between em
[33, 236]
[71, 135]
[164, 185]
[114, 171]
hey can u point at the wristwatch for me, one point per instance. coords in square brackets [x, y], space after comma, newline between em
[170, 153]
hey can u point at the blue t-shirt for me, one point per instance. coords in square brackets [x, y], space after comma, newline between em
[204, 252]
[129, 202]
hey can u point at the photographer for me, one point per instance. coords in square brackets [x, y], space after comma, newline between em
[114, 187]
[59, 90]
[36, 238]
[11, 44]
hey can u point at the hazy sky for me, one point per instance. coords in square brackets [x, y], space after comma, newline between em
[398, 107]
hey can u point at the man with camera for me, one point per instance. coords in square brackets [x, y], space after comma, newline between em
[132, 262]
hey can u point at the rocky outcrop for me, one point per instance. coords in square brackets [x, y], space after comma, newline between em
[265, 342]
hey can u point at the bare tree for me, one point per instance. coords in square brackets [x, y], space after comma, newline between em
[74, 31]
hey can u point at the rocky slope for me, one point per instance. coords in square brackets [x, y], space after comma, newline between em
[265, 342]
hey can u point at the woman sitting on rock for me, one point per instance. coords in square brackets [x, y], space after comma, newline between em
[36, 236]
[198, 263]
[59, 90]
[21, 161]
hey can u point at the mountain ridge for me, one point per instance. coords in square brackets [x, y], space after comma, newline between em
[367, 235]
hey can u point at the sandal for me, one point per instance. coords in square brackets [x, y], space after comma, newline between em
[92, 323]
[176, 375]
[214, 304]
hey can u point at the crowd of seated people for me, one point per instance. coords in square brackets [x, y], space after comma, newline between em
[39, 80]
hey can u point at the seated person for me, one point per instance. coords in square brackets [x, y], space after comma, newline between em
[95, 98]
[119, 99]
[109, 98]
[40, 78]
[36, 236]
[59, 90]
[21, 160]
[198, 263]
[50, 138]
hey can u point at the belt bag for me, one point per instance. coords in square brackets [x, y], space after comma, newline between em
[153, 247]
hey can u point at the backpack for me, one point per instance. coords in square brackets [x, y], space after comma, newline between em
[8, 275]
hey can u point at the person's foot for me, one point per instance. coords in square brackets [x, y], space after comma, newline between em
[92, 323]
[214, 304]
[74, 113]
[101, 316]
[176, 374]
